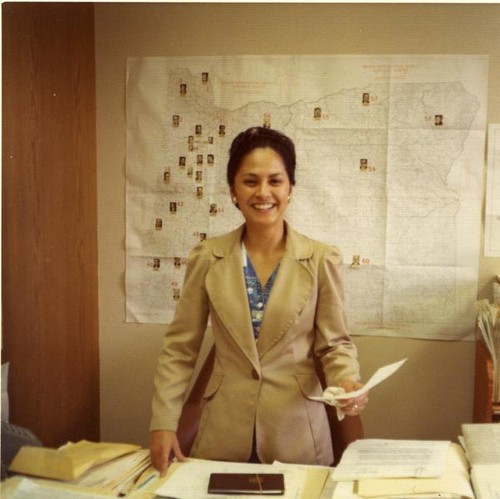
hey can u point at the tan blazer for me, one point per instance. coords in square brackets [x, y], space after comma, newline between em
[261, 385]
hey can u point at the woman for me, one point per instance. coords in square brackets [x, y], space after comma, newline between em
[274, 298]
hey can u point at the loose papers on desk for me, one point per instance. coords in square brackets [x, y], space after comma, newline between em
[118, 475]
[402, 469]
[488, 323]
[377, 458]
[26, 488]
[482, 446]
[336, 396]
[150, 482]
[190, 480]
[486, 481]
[482, 443]
[101, 466]
[67, 462]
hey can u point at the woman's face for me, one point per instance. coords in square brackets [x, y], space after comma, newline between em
[262, 187]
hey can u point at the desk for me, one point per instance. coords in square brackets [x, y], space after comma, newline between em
[318, 486]
[317, 483]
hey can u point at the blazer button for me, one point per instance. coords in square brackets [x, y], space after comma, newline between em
[255, 374]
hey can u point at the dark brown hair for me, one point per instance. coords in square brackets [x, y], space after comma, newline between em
[256, 137]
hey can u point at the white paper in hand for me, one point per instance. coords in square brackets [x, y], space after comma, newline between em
[334, 395]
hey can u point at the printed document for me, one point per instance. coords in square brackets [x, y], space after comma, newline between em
[482, 443]
[377, 458]
[453, 484]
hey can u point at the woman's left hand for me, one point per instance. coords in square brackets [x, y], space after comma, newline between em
[353, 407]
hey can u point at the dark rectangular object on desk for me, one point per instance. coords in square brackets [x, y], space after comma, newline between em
[247, 483]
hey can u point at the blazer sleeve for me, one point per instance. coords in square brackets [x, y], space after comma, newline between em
[333, 344]
[182, 343]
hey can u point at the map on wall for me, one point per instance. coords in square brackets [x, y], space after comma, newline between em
[390, 154]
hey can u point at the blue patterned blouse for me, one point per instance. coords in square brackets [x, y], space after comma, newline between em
[257, 295]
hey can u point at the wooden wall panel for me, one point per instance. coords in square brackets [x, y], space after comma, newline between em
[49, 219]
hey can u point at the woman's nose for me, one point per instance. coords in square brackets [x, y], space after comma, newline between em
[262, 189]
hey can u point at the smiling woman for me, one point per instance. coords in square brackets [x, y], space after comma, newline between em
[275, 301]
[262, 190]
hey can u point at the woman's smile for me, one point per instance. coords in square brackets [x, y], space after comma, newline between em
[264, 207]
[262, 187]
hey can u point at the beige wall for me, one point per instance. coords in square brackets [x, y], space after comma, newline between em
[433, 394]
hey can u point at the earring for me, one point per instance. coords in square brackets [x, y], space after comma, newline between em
[235, 200]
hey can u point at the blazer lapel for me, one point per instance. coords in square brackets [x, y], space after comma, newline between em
[226, 287]
[290, 293]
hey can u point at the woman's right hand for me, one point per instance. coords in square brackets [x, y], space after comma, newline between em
[162, 444]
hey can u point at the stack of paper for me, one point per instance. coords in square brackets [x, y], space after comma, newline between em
[482, 446]
[488, 323]
[402, 469]
[107, 467]
[118, 475]
[190, 479]
[26, 488]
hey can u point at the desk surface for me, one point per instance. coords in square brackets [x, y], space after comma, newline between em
[317, 484]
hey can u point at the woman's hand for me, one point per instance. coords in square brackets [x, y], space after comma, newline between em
[353, 407]
[162, 444]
